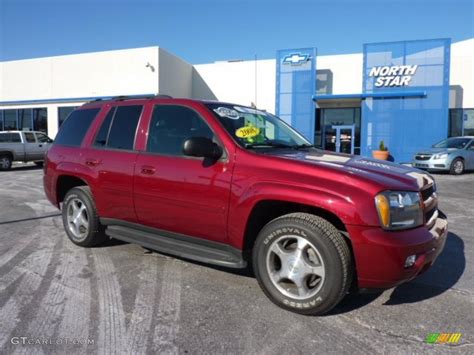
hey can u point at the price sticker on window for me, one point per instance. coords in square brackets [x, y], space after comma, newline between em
[247, 132]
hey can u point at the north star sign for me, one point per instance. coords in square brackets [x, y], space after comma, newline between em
[396, 75]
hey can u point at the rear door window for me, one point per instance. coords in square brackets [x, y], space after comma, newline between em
[103, 134]
[30, 138]
[123, 127]
[75, 127]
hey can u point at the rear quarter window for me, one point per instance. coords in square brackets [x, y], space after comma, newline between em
[10, 138]
[75, 127]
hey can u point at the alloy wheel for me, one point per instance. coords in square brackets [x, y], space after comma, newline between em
[295, 267]
[77, 219]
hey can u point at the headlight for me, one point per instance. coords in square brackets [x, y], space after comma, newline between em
[399, 209]
[440, 156]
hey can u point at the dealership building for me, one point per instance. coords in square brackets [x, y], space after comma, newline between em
[408, 94]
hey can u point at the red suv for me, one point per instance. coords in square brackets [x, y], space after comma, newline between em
[231, 185]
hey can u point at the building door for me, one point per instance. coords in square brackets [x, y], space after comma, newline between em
[343, 139]
[348, 119]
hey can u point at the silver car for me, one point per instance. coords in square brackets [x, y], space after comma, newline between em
[455, 155]
[22, 146]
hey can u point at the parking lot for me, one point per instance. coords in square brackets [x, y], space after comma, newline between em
[55, 296]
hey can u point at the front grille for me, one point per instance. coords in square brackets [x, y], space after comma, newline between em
[427, 192]
[423, 156]
[430, 204]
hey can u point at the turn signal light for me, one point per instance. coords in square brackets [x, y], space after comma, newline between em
[383, 207]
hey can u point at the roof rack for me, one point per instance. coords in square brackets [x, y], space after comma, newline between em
[131, 97]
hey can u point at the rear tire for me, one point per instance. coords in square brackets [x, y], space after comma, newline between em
[39, 164]
[5, 162]
[457, 167]
[80, 218]
[302, 263]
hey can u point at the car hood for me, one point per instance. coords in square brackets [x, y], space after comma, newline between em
[387, 174]
[436, 151]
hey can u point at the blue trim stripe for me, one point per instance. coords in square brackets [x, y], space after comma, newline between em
[373, 94]
[65, 100]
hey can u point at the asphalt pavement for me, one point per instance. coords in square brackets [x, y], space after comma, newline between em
[56, 297]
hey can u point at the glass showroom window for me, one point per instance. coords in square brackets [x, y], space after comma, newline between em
[24, 120]
[455, 122]
[9, 117]
[63, 112]
[40, 120]
[468, 118]
[461, 122]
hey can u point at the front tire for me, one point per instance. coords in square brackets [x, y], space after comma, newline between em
[302, 263]
[457, 167]
[80, 218]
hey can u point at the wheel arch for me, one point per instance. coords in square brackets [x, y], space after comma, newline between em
[65, 183]
[265, 211]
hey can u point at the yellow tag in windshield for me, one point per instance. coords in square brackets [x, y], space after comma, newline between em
[247, 132]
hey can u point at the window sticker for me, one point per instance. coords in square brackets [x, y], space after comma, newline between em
[247, 132]
[249, 110]
[227, 113]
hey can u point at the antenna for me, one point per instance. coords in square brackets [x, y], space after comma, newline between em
[256, 105]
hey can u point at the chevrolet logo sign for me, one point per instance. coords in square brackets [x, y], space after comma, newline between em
[296, 59]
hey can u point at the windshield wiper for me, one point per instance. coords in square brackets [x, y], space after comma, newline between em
[303, 146]
[269, 144]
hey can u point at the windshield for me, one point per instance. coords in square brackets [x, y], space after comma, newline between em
[458, 143]
[253, 128]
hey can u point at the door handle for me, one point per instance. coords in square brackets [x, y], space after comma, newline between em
[147, 170]
[40, 145]
[92, 162]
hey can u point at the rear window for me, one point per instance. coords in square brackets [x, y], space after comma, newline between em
[75, 127]
[10, 138]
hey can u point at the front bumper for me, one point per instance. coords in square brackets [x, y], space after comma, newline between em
[432, 164]
[380, 255]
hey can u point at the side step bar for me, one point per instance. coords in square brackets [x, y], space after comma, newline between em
[176, 244]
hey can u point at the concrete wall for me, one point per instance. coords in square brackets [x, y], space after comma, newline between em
[153, 70]
[462, 74]
[175, 75]
[235, 82]
[346, 70]
[81, 75]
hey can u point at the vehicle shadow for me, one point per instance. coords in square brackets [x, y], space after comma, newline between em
[443, 275]
[22, 168]
[245, 272]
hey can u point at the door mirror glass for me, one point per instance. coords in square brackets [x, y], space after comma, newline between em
[202, 147]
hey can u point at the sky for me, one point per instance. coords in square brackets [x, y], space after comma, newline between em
[204, 31]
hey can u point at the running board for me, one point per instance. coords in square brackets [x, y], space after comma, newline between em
[175, 244]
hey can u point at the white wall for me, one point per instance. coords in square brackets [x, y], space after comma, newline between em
[346, 69]
[81, 75]
[175, 75]
[124, 72]
[235, 82]
[462, 70]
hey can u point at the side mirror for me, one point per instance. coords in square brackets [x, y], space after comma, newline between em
[202, 147]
